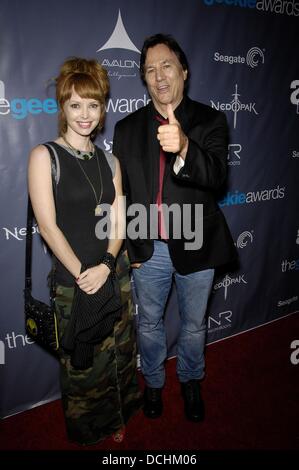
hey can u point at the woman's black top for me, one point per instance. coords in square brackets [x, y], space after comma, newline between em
[75, 206]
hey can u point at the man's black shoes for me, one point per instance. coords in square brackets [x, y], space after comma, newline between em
[153, 405]
[194, 405]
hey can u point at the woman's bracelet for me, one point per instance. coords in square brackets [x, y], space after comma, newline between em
[109, 260]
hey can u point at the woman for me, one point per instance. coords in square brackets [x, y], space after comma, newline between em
[98, 400]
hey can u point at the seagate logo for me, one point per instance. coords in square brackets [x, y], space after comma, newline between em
[254, 57]
[244, 238]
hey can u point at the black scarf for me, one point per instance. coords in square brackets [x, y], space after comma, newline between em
[92, 320]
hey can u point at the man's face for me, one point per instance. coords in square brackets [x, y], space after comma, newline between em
[164, 77]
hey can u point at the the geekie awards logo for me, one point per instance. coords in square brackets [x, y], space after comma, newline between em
[13, 341]
[20, 107]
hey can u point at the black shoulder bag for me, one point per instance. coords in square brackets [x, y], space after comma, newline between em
[40, 318]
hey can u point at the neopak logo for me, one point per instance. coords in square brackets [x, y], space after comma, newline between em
[19, 233]
[235, 106]
[228, 281]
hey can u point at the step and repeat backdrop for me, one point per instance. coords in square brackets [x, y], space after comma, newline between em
[243, 57]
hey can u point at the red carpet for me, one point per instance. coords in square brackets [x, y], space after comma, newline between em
[251, 391]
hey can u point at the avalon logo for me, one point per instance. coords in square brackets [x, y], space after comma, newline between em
[235, 106]
[120, 67]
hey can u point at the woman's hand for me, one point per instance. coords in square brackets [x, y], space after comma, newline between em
[91, 280]
[136, 265]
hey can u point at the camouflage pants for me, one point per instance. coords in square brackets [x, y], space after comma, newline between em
[98, 401]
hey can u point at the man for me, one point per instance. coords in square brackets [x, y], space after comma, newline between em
[173, 151]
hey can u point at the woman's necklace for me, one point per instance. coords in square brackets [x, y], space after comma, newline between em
[75, 152]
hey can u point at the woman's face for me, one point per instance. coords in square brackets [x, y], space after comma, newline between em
[82, 114]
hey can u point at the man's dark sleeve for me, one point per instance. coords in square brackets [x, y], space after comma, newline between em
[206, 159]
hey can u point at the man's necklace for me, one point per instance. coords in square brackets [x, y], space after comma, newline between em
[75, 152]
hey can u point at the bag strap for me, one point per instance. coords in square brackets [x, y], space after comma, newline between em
[30, 217]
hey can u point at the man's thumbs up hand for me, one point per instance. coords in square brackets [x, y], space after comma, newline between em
[171, 137]
[170, 115]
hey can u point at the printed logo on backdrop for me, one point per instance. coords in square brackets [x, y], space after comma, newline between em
[20, 108]
[294, 357]
[2, 353]
[233, 156]
[227, 282]
[236, 197]
[287, 302]
[254, 57]
[235, 106]
[108, 145]
[13, 341]
[219, 321]
[297, 237]
[295, 95]
[244, 239]
[119, 67]
[231, 3]
[295, 154]
[282, 7]
[289, 265]
[19, 234]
